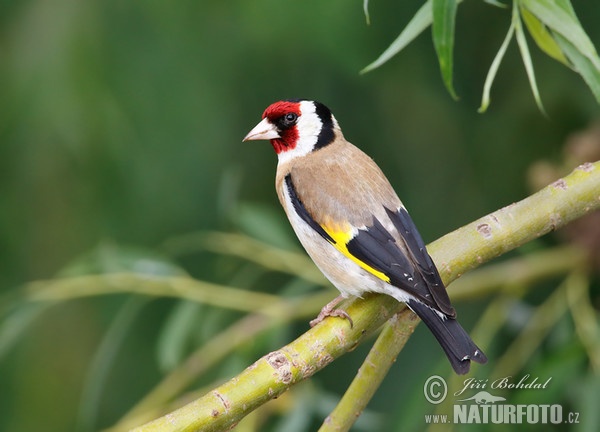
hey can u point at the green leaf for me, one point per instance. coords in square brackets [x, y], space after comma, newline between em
[582, 64]
[489, 79]
[542, 37]
[585, 399]
[496, 3]
[175, 336]
[522, 42]
[102, 363]
[15, 323]
[444, 18]
[414, 28]
[559, 16]
[366, 10]
[264, 223]
[109, 257]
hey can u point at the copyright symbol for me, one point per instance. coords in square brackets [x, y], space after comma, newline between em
[435, 389]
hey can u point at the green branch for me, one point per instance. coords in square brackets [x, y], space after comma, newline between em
[506, 278]
[456, 253]
[380, 359]
[182, 287]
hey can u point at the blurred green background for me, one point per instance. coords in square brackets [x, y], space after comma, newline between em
[120, 134]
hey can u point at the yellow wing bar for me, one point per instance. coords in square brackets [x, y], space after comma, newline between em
[340, 242]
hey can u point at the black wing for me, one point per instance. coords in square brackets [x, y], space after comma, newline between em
[413, 272]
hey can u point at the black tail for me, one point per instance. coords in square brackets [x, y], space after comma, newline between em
[457, 344]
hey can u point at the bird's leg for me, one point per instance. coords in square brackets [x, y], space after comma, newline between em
[330, 311]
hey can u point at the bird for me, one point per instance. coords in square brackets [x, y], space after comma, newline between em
[352, 224]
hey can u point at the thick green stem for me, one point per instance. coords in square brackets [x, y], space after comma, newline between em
[372, 372]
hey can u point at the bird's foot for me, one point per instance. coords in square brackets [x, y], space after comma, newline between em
[330, 311]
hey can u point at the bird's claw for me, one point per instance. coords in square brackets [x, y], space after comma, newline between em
[330, 311]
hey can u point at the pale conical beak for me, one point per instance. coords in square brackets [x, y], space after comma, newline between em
[265, 130]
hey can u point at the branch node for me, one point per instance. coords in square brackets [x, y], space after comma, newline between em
[560, 184]
[278, 361]
[555, 221]
[226, 404]
[587, 167]
[485, 230]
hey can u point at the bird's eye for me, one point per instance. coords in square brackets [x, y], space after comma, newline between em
[290, 118]
[286, 121]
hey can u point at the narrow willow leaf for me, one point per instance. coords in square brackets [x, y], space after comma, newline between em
[415, 27]
[558, 15]
[366, 10]
[496, 3]
[485, 100]
[542, 37]
[444, 18]
[522, 42]
[103, 361]
[176, 332]
[582, 64]
[567, 7]
[15, 323]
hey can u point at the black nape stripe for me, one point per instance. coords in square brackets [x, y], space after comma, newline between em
[302, 212]
[326, 135]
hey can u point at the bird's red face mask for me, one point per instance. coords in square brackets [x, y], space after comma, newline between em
[278, 125]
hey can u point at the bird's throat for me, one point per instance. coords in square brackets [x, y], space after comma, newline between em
[280, 145]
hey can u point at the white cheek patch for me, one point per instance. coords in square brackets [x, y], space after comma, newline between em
[309, 126]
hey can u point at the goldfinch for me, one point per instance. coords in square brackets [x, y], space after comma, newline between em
[353, 225]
